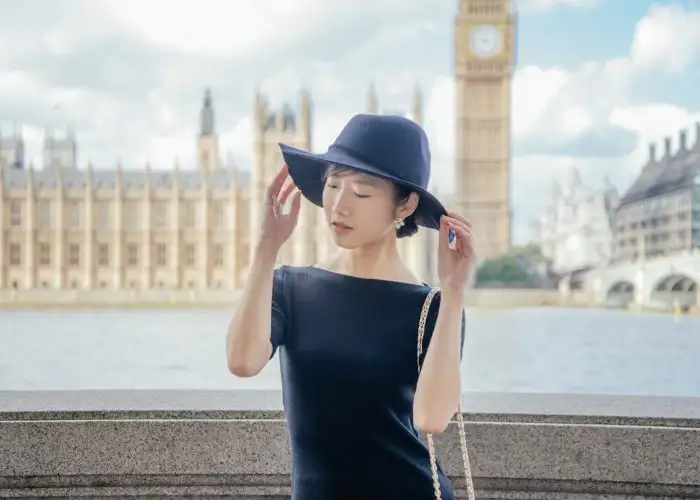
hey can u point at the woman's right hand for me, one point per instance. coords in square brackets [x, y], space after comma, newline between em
[278, 226]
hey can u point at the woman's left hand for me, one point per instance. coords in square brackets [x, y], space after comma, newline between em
[455, 265]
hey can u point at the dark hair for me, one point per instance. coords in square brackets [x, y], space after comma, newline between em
[410, 227]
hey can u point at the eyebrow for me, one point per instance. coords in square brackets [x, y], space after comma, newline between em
[360, 179]
[369, 181]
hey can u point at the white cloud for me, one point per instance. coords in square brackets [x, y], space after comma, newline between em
[439, 125]
[534, 88]
[236, 143]
[218, 27]
[656, 121]
[667, 38]
[545, 5]
[19, 84]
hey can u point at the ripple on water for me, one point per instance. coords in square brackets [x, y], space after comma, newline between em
[519, 350]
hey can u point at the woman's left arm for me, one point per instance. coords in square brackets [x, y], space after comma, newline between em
[439, 384]
[438, 390]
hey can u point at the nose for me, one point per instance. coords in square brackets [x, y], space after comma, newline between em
[341, 203]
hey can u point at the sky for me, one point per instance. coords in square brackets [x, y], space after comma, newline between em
[595, 82]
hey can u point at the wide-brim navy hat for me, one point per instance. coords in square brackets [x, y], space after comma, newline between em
[387, 146]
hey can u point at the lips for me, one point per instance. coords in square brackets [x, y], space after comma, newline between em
[340, 225]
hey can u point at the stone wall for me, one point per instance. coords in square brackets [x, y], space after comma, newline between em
[235, 444]
[482, 298]
[116, 298]
[527, 297]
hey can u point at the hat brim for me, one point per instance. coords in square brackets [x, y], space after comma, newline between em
[307, 170]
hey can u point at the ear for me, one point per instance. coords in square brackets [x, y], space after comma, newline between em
[409, 206]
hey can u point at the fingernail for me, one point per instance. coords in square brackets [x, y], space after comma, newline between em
[451, 238]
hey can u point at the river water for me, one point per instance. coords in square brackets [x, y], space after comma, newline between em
[519, 350]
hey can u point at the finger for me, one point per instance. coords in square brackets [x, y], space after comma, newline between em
[296, 204]
[444, 236]
[286, 191]
[459, 217]
[465, 246]
[458, 223]
[463, 220]
[274, 188]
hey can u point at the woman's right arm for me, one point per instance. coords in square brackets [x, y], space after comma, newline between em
[248, 342]
[248, 345]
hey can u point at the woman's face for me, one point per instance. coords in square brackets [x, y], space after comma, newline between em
[360, 209]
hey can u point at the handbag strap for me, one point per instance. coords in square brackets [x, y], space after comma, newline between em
[460, 420]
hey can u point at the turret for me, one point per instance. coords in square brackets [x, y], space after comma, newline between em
[208, 141]
[30, 179]
[118, 177]
[176, 176]
[667, 147]
[280, 119]
[207, 115]
[304, 117]
[147, 177]
[372, 106]
[260, 113]
[418, 105]
[88, 179]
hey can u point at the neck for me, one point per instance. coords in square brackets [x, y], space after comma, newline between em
[379, 260]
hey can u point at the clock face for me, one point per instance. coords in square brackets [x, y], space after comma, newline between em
[485, 41]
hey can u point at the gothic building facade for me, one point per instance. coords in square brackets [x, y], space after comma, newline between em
[575, 232]
[85, 228]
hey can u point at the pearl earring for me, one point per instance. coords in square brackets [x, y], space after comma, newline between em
[399, 223]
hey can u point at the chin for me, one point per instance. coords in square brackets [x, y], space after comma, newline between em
[344, 242]
[345, 245]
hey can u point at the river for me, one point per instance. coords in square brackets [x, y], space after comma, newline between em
[537, 350]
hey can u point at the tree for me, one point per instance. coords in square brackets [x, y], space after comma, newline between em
[502, 271]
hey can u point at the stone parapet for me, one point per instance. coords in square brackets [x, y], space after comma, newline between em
[211, 298]
[235, 444]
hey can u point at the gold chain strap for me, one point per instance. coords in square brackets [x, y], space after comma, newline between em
[460, 420]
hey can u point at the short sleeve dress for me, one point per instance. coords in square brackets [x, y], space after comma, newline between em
[347, 348]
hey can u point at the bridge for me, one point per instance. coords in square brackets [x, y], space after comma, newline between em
[662, 282]
[234, 444]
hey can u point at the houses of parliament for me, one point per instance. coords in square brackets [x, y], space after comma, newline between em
[66, 227]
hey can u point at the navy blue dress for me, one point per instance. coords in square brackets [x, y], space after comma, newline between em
[348, 359]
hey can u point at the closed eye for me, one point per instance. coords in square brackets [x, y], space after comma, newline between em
[335, 186]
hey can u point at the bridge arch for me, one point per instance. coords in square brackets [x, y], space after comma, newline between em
[620, 294]
[675, 288]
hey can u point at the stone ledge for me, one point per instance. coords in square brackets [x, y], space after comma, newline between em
[277, 488]
[244, 404]
[174, 452]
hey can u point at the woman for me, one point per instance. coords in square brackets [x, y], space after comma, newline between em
[347, 328]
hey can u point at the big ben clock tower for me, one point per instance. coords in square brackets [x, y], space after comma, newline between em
[484, 56]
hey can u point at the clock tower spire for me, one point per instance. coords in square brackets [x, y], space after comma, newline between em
[484, 57]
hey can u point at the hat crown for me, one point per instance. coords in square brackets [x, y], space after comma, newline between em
[393, 144]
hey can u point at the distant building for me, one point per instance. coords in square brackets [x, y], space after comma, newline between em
[66, 227]
[60, 152]
[575, 231]
[12, 150]
[660, 213]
